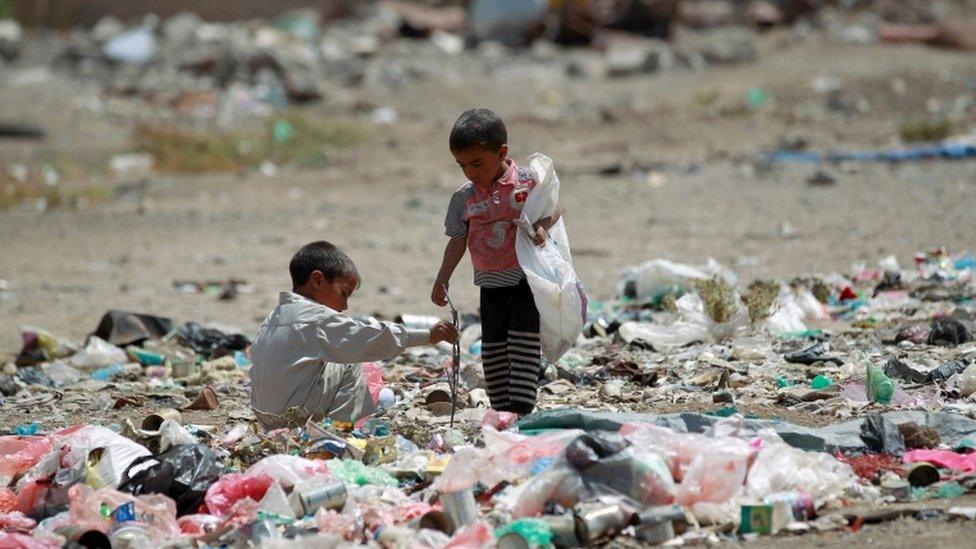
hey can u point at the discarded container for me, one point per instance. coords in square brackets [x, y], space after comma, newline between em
[593, 523]
[329, 496]
[900, 489]
[461, 507]
[765, 518]
[657, 524]
[923, 474]
[155, 420]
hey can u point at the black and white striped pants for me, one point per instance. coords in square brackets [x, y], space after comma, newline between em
[510, 348]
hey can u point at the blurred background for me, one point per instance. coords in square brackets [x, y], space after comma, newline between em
[169, 157]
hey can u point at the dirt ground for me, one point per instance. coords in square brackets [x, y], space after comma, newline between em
[699, 194]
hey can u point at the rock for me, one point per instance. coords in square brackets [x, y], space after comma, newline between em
[629, 57]
[821, 178]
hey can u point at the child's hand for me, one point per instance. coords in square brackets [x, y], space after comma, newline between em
[541, 235]
[439, 294]
[443, 331]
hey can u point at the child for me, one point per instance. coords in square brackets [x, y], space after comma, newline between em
[306, 353]
[481, 218]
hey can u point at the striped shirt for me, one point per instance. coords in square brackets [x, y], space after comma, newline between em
[485, 217]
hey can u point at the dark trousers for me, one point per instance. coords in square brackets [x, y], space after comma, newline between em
[510, 348]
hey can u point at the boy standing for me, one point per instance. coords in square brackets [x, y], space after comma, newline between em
[306, 354]
[481, 218]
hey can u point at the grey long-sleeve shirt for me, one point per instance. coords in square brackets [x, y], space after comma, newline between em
[300, 337]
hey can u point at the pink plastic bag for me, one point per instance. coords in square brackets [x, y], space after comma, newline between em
[231, 488]
[943, 458]
[20, 454]
[16, 521]
[473, 536]
[289, 470]
[8, 500]
[158, 511]
[374, 379]
[20, 541]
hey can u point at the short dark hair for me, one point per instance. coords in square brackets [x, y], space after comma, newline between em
[320, 256]
[478, 128]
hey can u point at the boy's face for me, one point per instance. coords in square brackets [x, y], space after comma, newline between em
[482, 166]
[334, 294]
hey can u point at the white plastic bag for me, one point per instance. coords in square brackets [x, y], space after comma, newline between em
[558, 294]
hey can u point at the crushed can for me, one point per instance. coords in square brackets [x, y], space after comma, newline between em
[434, 520]
[329, 496]
[514, 540]
[596, 522]
[900, 489]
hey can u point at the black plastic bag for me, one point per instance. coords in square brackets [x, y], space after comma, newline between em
[948, 332]
[210, 342]
[882, 435]
[587, 450]
[184, 473]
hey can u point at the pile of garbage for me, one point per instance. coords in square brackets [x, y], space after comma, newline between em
[876, 367]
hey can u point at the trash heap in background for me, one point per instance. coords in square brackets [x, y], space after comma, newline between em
[693, 407]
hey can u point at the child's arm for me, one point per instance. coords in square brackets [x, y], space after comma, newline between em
[543, 225]
[453, 253]
[346, 340]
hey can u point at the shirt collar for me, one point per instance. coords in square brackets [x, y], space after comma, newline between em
[285, 298]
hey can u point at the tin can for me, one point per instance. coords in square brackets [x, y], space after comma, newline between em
[262, 530]
[563, 528]
[923, 474]
[130, 535]
[155, 420]
[89, 539]
[418, 322]
[461, 507]
[513, 540]
[657, 524]
[900, 489]
[801, 503]
[434, 520]
[593, 523]
[329, 496]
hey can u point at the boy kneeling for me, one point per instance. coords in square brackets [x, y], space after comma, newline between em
[306, 354]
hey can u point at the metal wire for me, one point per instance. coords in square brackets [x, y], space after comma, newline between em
[454, 378]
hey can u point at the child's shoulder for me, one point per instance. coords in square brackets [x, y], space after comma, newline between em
[466, 190]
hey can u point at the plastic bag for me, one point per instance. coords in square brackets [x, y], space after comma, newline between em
[22, 541]
[716, 473]
[608, 460]
[658, 277]
[693, 325]
[20, 454]
[351, 471]
[114, 453]
[184, 473]
[967, 381]
[373, 374]
[943, 458]
[158, 512]
[61, 374]
[97, 353]
[779, 467]
[16, 521]
[172, 434]
[786, 315]
[558, 294]
[289, 470]
[233, 487]
[472, 536]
